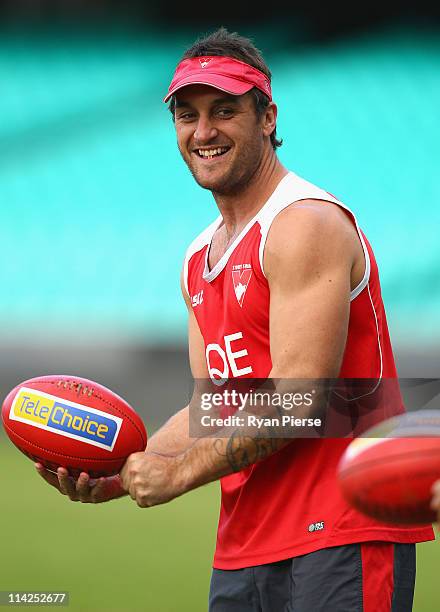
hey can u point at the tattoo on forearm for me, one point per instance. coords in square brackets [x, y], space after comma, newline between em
[242, 450]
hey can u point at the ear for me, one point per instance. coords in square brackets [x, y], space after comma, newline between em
[270, 119]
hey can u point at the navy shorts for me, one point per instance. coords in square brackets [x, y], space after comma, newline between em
[366, 577]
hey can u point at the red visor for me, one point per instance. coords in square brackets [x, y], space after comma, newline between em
[224, 73]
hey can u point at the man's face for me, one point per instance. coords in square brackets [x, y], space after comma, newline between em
[219, 137]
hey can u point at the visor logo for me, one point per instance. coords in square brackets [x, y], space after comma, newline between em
[204, 61]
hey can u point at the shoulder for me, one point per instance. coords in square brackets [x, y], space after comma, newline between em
[309, 218]
[309, 232]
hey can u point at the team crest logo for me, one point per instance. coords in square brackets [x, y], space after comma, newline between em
[204, 61]
[241, 275]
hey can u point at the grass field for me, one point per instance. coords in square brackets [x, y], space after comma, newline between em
[119, 557]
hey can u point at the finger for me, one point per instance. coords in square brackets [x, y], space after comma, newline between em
[143, 502]
[435, 502]
[435, 490]
[132, 492]
[125, 480]
[49, 477]
[97, 491]
[67, 486]
[83, 487]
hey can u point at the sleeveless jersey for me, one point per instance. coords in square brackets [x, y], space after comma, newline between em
[288, 504]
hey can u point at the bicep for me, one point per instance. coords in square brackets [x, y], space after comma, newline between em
[309, 283]
[308, 327]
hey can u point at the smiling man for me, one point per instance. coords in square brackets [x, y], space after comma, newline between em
[282, 285]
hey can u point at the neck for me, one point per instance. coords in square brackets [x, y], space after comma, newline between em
[238, 209]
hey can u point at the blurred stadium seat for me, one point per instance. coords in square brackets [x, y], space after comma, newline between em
[97, 207]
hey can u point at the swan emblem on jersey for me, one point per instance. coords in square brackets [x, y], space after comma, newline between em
[204, 61]
[241, 275]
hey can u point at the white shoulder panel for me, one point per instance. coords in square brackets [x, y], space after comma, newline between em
[292, 189]
[198, 243]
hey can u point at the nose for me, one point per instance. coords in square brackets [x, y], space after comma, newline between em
[205, 131]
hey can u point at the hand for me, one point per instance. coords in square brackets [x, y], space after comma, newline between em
[152, 479]
[85, 489]
[435, 502]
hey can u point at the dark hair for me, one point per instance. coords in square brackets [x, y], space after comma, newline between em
[231, 44]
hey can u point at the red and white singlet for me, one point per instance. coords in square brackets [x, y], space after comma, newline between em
[288, 504]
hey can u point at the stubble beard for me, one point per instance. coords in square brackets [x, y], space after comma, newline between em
[238, 176]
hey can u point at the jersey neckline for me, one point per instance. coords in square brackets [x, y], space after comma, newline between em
[210, 275]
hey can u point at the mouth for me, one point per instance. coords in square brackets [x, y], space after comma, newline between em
[211, 152]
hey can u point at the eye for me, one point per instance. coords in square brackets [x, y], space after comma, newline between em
[224, 112]
[188, 116]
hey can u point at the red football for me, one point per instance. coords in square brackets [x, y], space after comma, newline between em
[72, 422]
[389, 471]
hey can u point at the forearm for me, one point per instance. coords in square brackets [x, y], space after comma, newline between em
[175, 463]
[235, 448]
[211, 458]
[172, 439]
